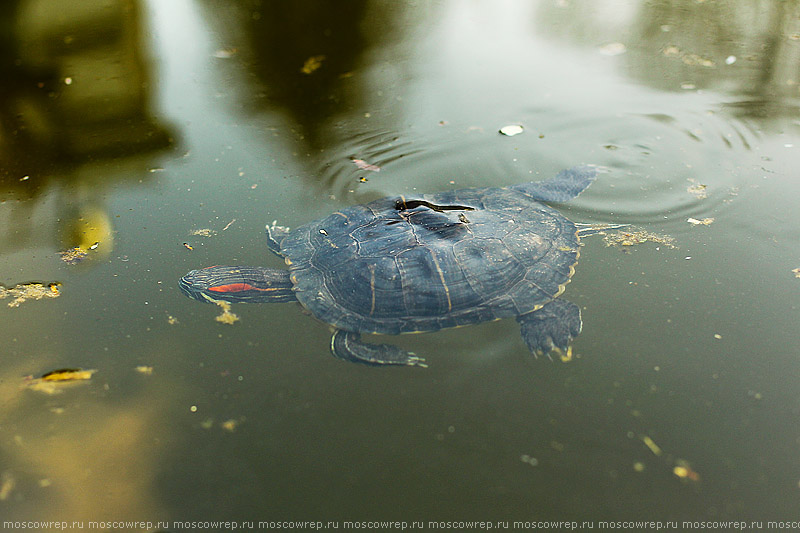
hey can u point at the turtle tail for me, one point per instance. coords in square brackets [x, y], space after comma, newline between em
[238, 284]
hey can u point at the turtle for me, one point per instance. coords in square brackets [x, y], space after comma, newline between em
[412, 264]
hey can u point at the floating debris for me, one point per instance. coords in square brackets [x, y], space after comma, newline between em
[525, 458]
[613, 49]
[312, 64]
[77, 254]
[230, 425]
[204, 232]
[225, 53]
[652, 445]
[188, 246]
[511, 130]
[684, 471]
[632, 238]
[171, 320]
[227, 317]
[701, 222]
[229, 224]
[697, 189]
[690, 59]
[29, 291]
[363, 165]
[796, 272]
[73, 256]
[145, 370]
[7, 484]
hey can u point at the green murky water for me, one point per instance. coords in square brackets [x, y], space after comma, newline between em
[127, 126]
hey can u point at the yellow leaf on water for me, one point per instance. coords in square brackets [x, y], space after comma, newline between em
[68, 374]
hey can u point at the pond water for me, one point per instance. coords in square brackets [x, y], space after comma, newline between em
[160, 137]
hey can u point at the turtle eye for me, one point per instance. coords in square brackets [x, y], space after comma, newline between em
[400, 205]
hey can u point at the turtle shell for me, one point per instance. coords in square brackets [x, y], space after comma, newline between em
[403, 265]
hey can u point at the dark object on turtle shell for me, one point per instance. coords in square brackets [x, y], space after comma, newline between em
[411, 265]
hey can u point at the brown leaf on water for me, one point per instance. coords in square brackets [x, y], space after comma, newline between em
[363, 165]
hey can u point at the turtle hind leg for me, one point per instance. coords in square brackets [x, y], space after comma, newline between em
[565, 186]
[348, 346]
[551, 328]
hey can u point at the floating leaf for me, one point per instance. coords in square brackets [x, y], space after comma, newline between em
[68, 374]
[511, 130]
[613, 49]
[363, 165]
[703, 222]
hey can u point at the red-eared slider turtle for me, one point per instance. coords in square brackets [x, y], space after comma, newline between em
[416, 264]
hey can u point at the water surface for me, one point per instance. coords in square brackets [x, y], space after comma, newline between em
[136, 125]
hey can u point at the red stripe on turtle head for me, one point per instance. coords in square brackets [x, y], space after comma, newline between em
[238, 287]
[232, 287]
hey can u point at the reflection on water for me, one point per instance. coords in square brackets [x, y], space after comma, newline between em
[76, 89]
[289, 111]
[748, 50]
[81, 453]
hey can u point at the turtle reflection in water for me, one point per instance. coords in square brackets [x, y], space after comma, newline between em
[411, 265]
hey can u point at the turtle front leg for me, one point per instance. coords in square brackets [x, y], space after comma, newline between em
[348, 346]
[275, 234]
[551, 328]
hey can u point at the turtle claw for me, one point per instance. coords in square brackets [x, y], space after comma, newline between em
[347, 345]
[415, 360]
[276, 234]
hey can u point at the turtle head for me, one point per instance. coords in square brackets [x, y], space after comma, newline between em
[238, 284]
